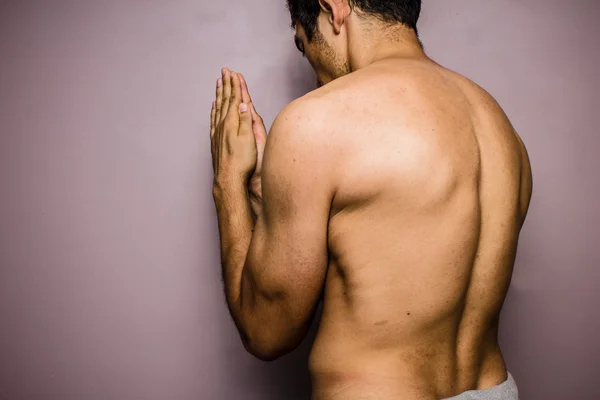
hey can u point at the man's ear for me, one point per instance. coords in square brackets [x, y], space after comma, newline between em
[335, 11]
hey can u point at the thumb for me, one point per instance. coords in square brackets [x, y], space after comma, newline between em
[260, 131]
[245, 120]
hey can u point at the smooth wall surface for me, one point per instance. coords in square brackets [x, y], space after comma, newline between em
[109, 261]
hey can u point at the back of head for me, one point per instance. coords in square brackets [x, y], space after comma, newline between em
[405, 12]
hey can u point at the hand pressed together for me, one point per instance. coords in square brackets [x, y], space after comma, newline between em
[238, 135]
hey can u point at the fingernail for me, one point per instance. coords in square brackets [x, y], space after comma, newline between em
[243, 107]
[219, 82]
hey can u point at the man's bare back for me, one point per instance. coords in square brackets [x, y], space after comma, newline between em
[396, 191]
[432, 190]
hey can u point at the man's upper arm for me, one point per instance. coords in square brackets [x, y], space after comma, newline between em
[287, 260]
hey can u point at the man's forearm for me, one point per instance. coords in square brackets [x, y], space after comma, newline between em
[235, 231]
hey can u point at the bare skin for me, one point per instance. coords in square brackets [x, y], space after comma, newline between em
[418, 187]
[433, 188]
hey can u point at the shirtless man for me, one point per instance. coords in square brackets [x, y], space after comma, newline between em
[395, 192]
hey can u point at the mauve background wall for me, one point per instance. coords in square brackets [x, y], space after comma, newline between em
[109, 261]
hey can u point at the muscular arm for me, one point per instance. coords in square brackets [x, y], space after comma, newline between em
[273, 289]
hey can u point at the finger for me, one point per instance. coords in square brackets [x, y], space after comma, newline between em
[236, 98]
[226, 93]
[213, 113]
[236, 90]
[245, 119]
[219, 97]
[257, 119]
[253, 110]
[245, 93]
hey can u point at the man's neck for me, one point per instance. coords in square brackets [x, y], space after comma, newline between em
[365, 49]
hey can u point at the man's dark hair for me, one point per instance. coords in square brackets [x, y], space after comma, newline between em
[405, 12]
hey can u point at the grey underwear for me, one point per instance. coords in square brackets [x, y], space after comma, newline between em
[507, 390]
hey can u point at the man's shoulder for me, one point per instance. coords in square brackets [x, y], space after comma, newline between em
[301, 145]
[302, 127]
[304, 119]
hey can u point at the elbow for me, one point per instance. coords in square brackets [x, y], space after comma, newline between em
[269, 335]
[267, 346]
[265, 350]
